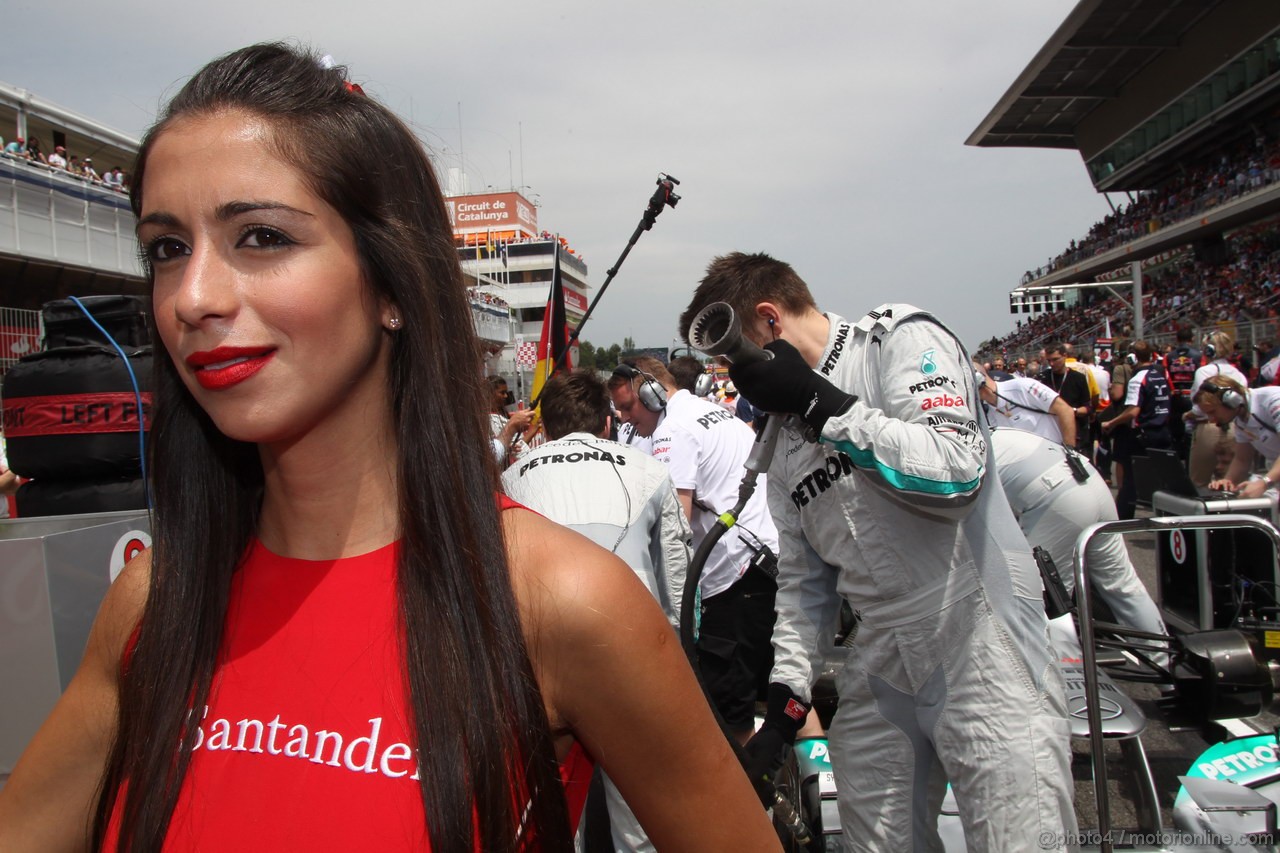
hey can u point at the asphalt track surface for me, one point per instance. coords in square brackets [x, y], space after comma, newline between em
[1170, 753]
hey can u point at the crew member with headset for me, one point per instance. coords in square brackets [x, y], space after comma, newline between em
[705, 448]
[1143, 424]
[691, 375]
[618, 497]
[1254, 416]
[1026, 404]
[625, 434]
[1208, 437]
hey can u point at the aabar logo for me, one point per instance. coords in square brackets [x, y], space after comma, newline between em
[941, 401]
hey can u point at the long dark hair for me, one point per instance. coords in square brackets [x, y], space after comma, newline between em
[484, 744]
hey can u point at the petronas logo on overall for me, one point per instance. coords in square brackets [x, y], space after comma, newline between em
[927, 366]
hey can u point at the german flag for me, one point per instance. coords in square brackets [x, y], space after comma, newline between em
[555, 333]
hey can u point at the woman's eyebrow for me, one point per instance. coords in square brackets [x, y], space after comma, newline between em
[225, 212]
[159, 217]
[232, 209]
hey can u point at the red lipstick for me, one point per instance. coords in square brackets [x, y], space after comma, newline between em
[223, 367]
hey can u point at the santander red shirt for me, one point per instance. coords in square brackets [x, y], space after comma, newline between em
[305, 742]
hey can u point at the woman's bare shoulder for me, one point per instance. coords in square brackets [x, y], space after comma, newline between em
[587, 618]
[556, 570]
[121, 609]
[613, 677]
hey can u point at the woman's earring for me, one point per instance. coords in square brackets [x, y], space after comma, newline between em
[394, 323]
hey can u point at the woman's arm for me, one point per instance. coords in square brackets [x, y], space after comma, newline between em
[48, 802]
[612, 671]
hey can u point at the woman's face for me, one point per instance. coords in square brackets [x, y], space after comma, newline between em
[257, 290]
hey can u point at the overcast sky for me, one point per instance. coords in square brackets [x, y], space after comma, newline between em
[830, 135]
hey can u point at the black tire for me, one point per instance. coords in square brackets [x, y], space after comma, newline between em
[125, 317]
[38, 498]
[57, 425]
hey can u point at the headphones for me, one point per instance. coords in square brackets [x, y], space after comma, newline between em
[1131, 360]
[1209, 344]
[652, 395]
[1230, 397]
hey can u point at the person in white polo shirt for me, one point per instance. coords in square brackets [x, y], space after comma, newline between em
[706, 447]
[1028, 405]
[1208, 436]
[1253, 416]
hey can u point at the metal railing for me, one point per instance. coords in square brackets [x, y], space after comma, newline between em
[20, 333]
[1087, 642]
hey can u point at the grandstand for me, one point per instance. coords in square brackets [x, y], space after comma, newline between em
[509, 264]
[61, 233]
[1174, 107]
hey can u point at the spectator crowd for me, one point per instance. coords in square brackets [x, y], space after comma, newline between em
[1178, 290]
[1226, 175]
[31, 152]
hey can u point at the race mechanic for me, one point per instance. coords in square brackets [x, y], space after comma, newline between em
[1253, 416]
[892, 509]
[1208, 437]
[1142, 425]
[1026, 404]
[705, 448]
[1055, 494]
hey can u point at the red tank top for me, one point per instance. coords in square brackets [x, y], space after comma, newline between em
[304, 744]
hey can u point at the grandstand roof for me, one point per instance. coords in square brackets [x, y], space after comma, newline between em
[1093, 53]
[1112, 65]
